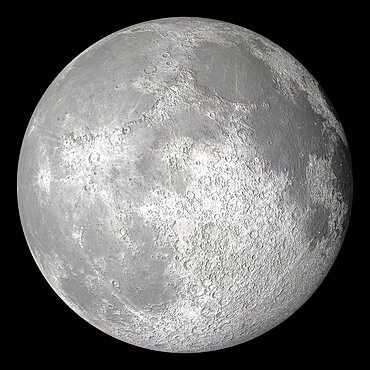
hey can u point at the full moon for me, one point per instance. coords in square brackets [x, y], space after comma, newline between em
[184, 185]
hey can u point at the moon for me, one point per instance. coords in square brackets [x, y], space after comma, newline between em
[184, 185]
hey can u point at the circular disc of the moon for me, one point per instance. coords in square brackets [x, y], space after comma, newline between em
[184, 185]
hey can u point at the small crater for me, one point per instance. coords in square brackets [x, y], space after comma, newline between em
[135, 29]
[224, 301]
[94, 158]
[31, 129]
[188, 265]
[207, 282]
[207, 311]
[118, 86]
[150, 70]
[212, 115]
[126, 130]
[233, 288]
[115, 283]
[190, 195]
[196, 290]
[166, 55]
[216, 295]
[253, 234]
[169, 63]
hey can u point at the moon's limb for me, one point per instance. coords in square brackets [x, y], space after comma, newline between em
[184, 185]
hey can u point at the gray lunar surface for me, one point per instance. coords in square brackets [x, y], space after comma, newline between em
[184, 185]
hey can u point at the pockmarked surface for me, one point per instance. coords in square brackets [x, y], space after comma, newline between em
[184, 185]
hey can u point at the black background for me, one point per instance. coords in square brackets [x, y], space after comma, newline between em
[327, 42]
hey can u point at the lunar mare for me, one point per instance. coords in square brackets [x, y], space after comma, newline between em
[184, 185]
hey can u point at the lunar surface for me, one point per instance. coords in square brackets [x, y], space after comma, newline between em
[184, 185]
